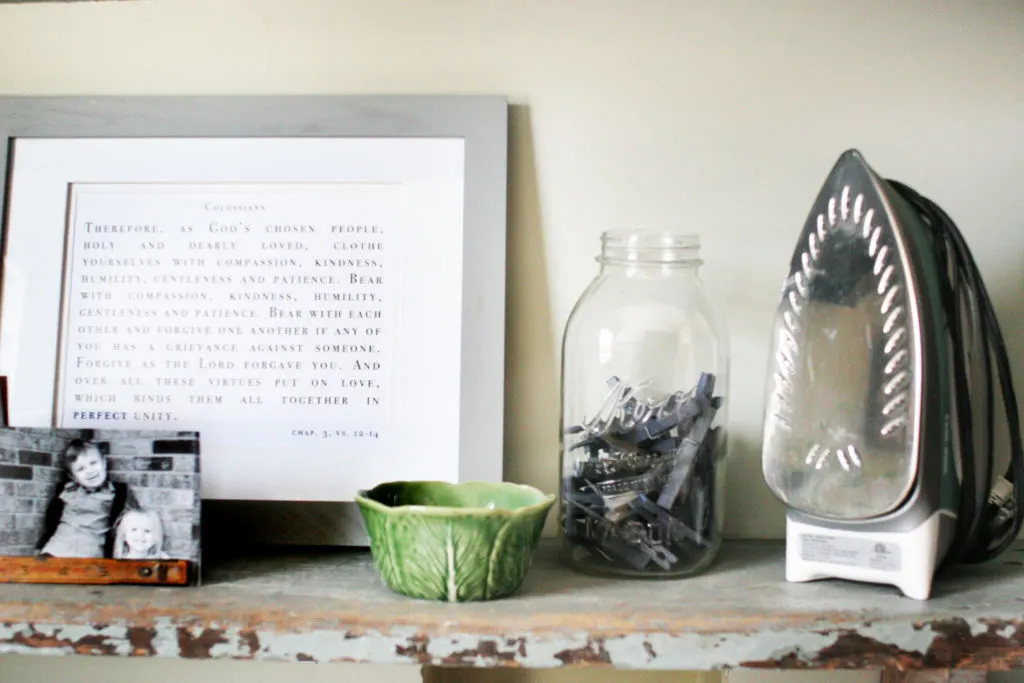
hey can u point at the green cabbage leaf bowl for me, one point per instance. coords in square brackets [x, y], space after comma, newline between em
[453, 542]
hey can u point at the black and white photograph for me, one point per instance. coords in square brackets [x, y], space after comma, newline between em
[83, 494]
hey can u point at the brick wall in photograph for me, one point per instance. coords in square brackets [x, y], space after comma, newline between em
[162, 469]
[29, 472]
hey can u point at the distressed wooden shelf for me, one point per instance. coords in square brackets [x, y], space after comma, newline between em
[330, 606]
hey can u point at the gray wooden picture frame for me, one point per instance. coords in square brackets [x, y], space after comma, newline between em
[480, 120]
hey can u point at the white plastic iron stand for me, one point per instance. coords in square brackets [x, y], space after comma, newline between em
[905, 559]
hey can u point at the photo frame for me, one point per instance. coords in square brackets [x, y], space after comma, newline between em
[108, 506]
[99, 193]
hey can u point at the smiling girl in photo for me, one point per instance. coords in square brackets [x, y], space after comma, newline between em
[139, 536]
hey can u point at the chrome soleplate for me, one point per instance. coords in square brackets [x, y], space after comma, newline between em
[843, 394]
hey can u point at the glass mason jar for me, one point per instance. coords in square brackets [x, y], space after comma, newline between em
[645, 367]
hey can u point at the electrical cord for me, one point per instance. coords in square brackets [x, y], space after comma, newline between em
[989, 517]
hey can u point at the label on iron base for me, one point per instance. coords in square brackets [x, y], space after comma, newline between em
[854, 552]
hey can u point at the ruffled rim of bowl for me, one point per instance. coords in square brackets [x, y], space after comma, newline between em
[546, 500]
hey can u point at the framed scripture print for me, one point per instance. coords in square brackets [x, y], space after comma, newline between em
[316, 284]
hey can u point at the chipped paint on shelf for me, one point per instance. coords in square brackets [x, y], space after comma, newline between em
[966, 643]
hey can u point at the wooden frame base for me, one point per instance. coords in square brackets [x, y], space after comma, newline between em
[94, 571]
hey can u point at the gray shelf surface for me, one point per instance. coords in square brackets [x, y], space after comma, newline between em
[330, 605]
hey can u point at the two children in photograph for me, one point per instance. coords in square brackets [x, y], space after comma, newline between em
[93, 516]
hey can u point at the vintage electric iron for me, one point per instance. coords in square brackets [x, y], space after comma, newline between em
[882, 430]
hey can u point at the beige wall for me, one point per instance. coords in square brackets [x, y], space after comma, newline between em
[29, 669]
[719, 118]
[23, 669]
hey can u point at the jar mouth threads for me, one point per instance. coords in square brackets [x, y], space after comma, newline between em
[649, 246]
